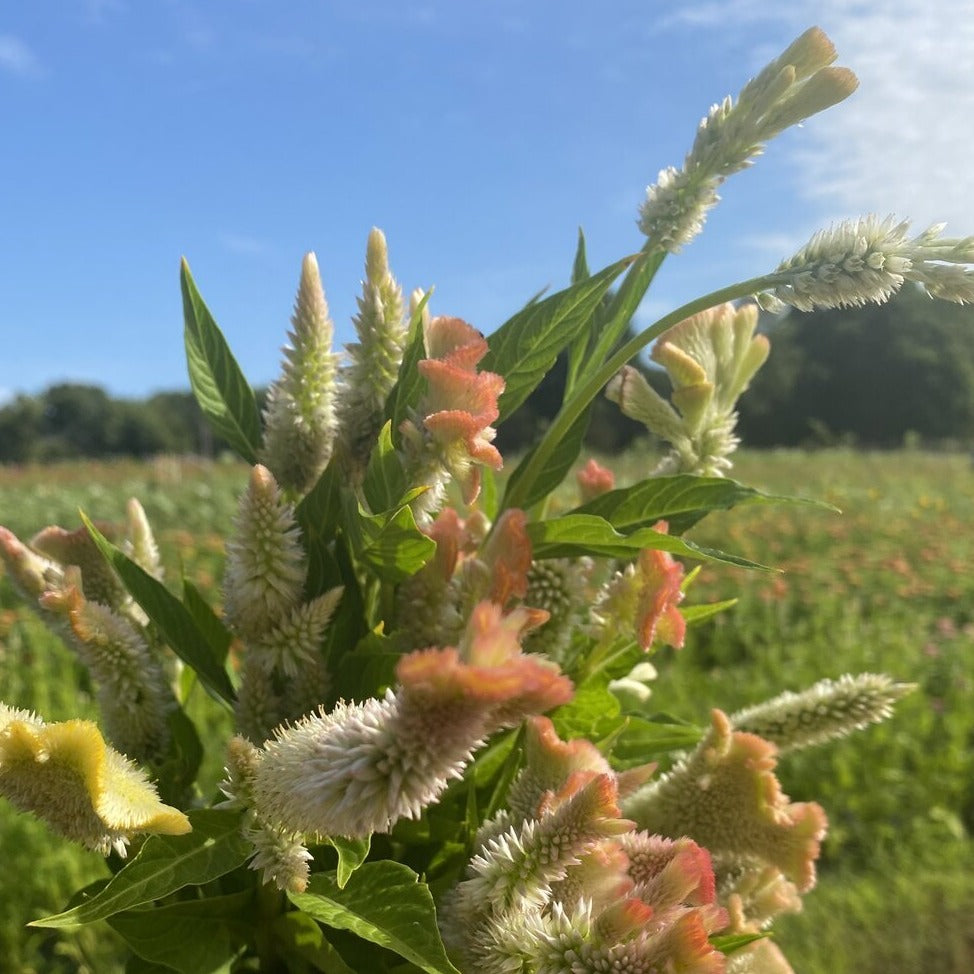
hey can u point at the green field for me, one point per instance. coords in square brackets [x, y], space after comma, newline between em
[887, 585]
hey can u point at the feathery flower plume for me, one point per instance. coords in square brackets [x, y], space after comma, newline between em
[132, 686]
[140, 543]
[867, 260]
[67, 775]
[266, 565]
[643, 599]
[375, 358]
[299, 419]
[450, 432]
[710, 359]
[360, 768]
[725, 796]
[825, 711]
[793, 87]
[560, 587]
[31, 574]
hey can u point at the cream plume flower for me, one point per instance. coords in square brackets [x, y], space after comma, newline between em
[299, 419]
[67, 775]
[867, 260]
[360, 768]
[796, 85]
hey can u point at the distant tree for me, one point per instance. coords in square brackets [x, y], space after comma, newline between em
[20, 428]
[873, 374]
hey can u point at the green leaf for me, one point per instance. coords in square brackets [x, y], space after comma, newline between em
[410, 383]
[573, 535]
[220, 388]
[385, 903]
[640, 739]
[697, 613]
[207, 621]
[302, 938]
[560, 462]
[391, 545]
[192, 937]
[525, 347]
[166, 863]
[174, 620]
[729, 942]
[385, 479]
[580, 271]
[592, 713]
[681, 500]
[351, 854]
[177, 772]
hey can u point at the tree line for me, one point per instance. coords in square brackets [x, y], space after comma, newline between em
[874, 376]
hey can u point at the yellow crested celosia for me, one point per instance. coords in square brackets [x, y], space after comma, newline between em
[67, 775]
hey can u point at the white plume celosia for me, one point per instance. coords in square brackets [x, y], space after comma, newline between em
[867, 260]
[710, 359]
[131, 681]
[791, 88]
[299, 419]
[375, 358]
[825, 711]
[266, 564]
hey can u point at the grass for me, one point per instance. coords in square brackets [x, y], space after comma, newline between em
[885, 586]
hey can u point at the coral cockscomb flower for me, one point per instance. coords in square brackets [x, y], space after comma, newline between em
[67, 775]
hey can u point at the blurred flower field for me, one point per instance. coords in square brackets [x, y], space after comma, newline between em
[885, 586]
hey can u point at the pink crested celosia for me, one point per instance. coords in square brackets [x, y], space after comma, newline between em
[99, 581]
[658, 618]
[507, 555]
[594, 479]
[453, 428]
[31, 573]
[726, 797]
[362, 767]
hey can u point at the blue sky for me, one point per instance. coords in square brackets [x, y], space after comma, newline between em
[478, 135]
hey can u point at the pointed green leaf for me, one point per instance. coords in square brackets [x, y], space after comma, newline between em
[585, 534]
[681, 500]
[177, 771]
[351, 854]
[391, 545]
[729, 942]
[220, 388]
[525, 347]
[385, 479]
[697, 613]
[166, 863]
[207, 621]
[192, 937]
[385, 903]
[172, 617]
[640, 740]
[410, 383]
[560, 462]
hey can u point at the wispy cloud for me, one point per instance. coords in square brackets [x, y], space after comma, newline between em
[17, 58]
[238, 243]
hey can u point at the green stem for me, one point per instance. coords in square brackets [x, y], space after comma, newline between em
[589, 389]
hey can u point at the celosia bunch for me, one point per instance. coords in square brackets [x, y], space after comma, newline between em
[397, 621]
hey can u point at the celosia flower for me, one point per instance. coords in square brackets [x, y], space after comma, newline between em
[868, 259]
[133, 691]
[299, 419]
[140, 543]
[633, 690]
[375, 358]
[725, 796]
[710, 359]
[99, 581]
[67, 775]
[31, 573]
[797, 84]
[451, 432]
[560, 586]
[594, 479]
[507, 556]
[360, 768]
[827, 710]
[266, 564]
[644, 597]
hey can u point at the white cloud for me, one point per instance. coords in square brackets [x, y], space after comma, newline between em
[239, 243]
[17, 58]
